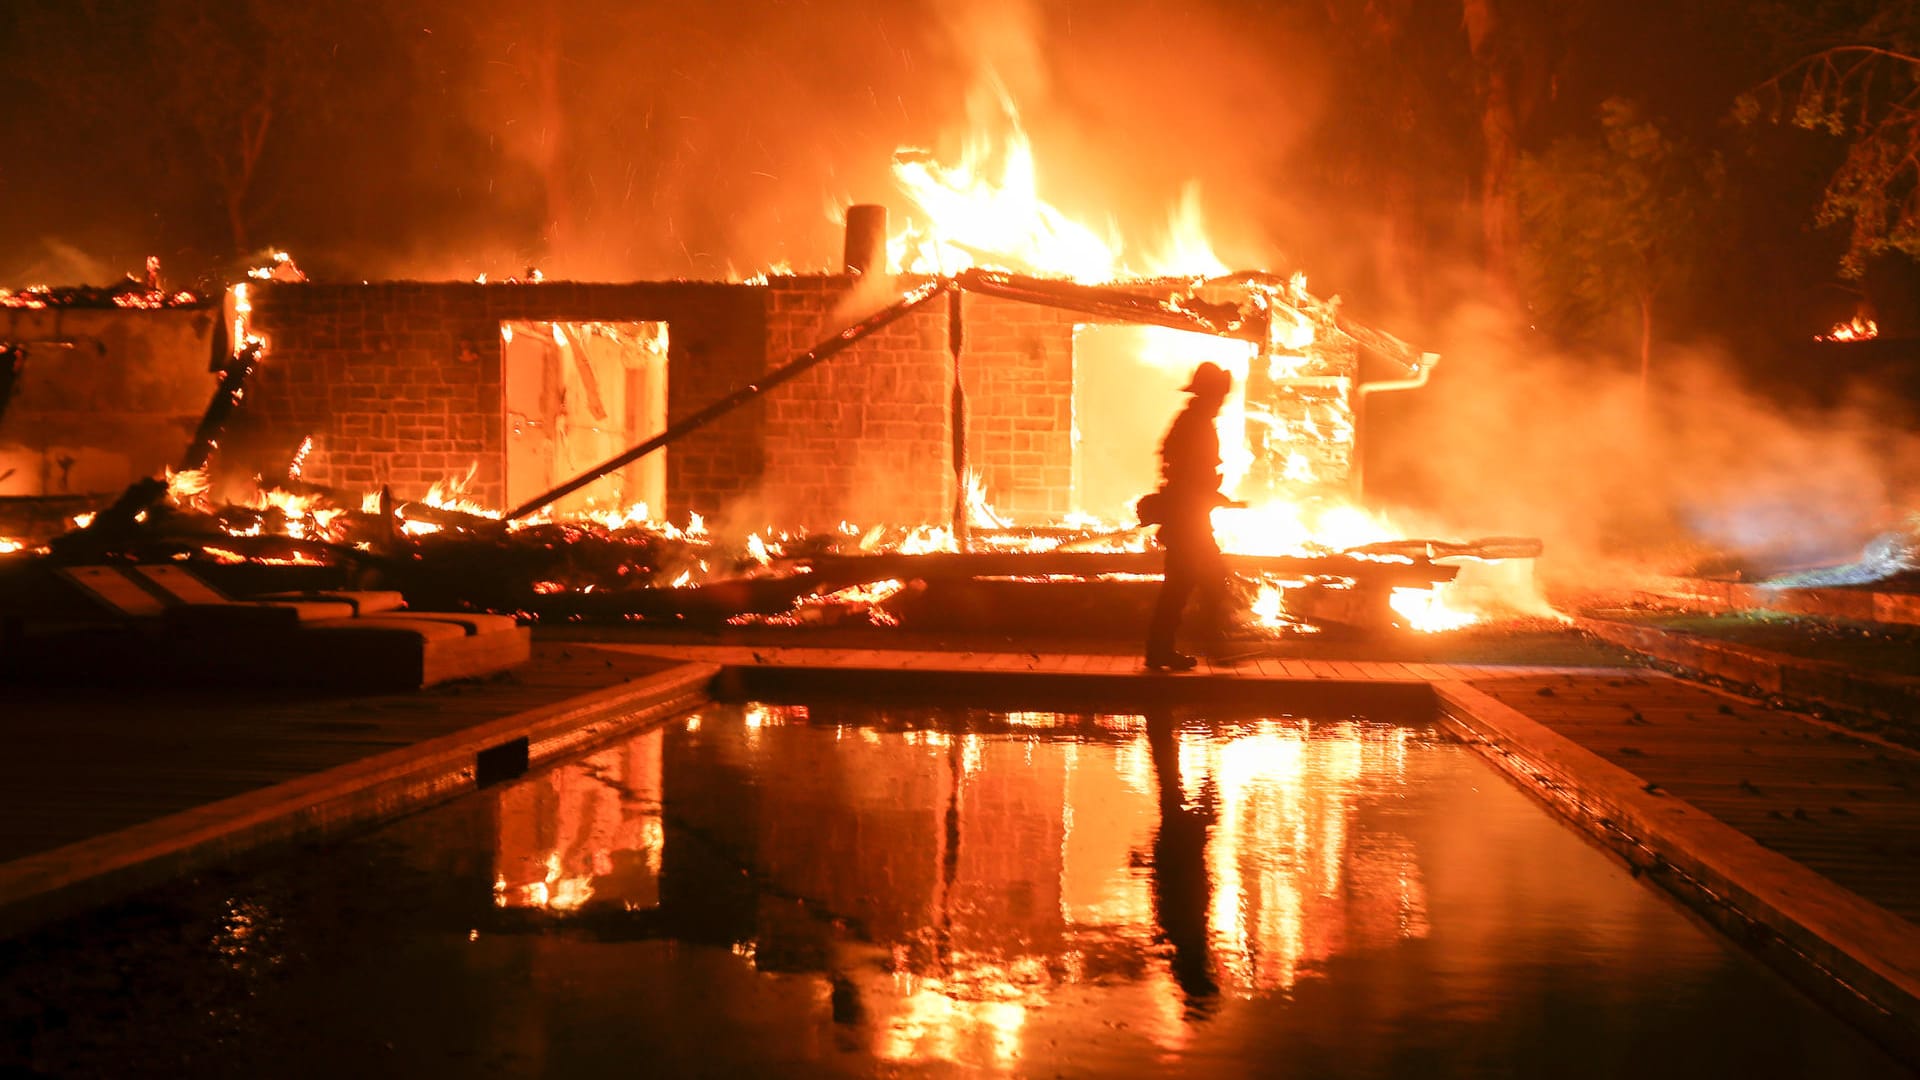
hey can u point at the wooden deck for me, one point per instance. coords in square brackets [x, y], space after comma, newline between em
[1844, 805]
[84, 762]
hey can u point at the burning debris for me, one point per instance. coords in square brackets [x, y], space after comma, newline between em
[1859, 328]
[1303, 550]
[446, 550]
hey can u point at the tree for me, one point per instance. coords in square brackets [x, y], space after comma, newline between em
[1865, 90]
[189, 83]
[1499, 133]
[1613, 224]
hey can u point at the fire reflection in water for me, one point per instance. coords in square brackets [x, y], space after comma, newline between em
[587, 830]
[947, 877]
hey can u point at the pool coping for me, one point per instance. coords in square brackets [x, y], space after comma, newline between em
[1851, 954]
[48, 885]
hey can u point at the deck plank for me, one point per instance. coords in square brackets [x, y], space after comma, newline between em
[186, 748]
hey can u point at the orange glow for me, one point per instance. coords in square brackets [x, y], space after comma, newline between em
[1048, 872]
[987, 209]
[1427, 610]
[989, 204]
[588, 832]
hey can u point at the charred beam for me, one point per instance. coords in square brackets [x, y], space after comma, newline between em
[956, 341]
[13, 361]
[1487, 547]
[226, 398]
[1280, 293]
[843, 570]
[800, 365]
[1118, 305]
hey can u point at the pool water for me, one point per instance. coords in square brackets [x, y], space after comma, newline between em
[842, 889]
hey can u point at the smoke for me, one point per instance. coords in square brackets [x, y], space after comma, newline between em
[1514, 438]
[654, 140]
[62, 263]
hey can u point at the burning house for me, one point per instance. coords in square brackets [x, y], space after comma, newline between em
[981, 392]
[527, 385]
[982, 400]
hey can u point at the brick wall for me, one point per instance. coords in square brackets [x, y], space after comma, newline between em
[865, 436]
[868, 435]
[1018, 373]
[400, 384]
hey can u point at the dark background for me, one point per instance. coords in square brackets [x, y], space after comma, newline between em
[441, 139]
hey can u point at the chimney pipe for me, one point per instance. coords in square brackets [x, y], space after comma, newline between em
[866, 239]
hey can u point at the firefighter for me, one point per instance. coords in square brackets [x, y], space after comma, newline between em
[1183, 508]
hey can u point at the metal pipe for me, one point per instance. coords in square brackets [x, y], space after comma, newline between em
[1356, 475]
[866, 243]
[1423, 371]
[1118, 305]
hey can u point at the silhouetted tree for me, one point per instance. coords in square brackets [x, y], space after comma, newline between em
[1613, 223]
[1856, 76]
[197, 86]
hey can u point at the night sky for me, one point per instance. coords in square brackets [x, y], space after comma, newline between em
[598, 140]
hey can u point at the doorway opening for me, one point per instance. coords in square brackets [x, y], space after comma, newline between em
[1127, 384]
[577, 394]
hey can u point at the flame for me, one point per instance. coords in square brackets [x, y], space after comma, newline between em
[928, 538]
[300, 458]
[635, 514]
[989, 204]
[1427, 611]
[1860, 328]
[1285, 528]
[979, 511]
[280, 268]
[185, 488]
[445, 495]
[243, 334]
[8, 545]
[305, 520]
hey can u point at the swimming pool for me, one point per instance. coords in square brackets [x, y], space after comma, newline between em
[842, 888]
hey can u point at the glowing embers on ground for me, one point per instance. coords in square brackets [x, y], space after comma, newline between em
[603, 561]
